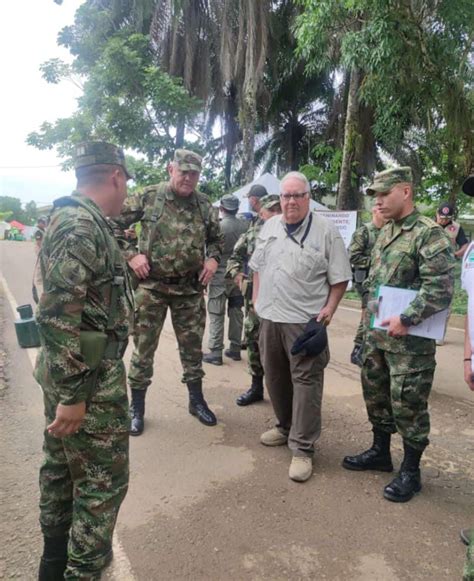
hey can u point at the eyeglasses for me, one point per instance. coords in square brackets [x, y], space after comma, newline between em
[287, 197]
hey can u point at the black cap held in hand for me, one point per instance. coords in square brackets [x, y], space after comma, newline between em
[313, 341]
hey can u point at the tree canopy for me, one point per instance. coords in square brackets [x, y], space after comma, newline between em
[336, 88]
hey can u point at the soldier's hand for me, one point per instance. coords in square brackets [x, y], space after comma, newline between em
[239, 279]
[140, 265]
[395, 327]
[68, 419]
[210, 267]
[468, 375]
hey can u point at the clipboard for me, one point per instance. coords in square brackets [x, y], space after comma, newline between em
[392, 301]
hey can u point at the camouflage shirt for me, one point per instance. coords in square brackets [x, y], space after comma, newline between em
[362, 242]
[232, 229]
[243, 250]
[78, 270]
[182, 238]
[413, 253]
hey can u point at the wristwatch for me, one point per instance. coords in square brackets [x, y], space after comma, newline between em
[406, 320]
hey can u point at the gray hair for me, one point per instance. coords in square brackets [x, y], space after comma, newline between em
[295, 175]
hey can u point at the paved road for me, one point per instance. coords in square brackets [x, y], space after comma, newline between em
[211, 503]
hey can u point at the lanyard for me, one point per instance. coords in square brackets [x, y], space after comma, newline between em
[305, 235]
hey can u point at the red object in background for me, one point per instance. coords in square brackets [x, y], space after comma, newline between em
[17, 225]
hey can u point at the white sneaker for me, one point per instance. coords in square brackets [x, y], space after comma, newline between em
[301, 468]
[273, 437]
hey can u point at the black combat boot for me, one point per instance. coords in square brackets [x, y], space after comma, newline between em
[137, 412]
[375, 458]
[233, 354]
[255, 393]
[214, 358]
[356, 355]
[54, 559]
[197, 404]
[408, 482]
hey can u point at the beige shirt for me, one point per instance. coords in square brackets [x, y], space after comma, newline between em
[294, 281]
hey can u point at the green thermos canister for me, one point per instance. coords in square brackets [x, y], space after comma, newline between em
[26, 328]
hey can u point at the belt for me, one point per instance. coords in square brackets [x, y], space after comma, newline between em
[174, 280]
[115, 349]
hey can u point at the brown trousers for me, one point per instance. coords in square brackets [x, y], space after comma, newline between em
[294, 383]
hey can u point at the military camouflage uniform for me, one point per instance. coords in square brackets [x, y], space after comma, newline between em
[176, 244]
[223, 291]
[397, 372]
[238, 262]
[360, 252]
[84, 476]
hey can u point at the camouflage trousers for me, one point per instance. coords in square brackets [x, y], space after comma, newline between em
[188, 316]
[359, 336]
[231, 296]
[396, 388]
[251, 333]
[469, 564]
[84, 479]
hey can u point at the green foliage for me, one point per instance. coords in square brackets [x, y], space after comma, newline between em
[6, 216]
[416, 59]
[11, 209]
[127, 99]
[325, 168]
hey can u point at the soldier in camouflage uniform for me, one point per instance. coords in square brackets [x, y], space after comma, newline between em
[84, 318]
[179, 251]
[411, 252]
[467, 535]
[360, 252]
[237, 270]
[222, 292]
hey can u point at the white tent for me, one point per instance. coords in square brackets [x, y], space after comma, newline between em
[272, 184]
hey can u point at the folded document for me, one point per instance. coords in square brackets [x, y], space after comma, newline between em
[393, 301]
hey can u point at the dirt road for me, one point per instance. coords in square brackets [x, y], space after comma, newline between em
[213, 504]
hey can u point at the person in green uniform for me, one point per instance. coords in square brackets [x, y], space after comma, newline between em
[360, 252]
[411, 252]
[238, 271]
[84, 317]
[222, 292]
[178, 253]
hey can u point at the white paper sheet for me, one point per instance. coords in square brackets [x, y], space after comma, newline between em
[393, 301]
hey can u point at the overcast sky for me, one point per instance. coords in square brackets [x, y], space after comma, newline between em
[28, 33]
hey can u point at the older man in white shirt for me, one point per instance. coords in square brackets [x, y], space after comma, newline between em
[301, 272]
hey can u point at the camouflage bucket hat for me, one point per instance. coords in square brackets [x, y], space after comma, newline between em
[230, 202]
[269, 202]
[99, 153]
[385, 180]
[468, 186]
[187, 160]
[257, 191]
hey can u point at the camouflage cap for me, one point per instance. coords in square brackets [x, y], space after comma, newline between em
[385, 180]
[230, 202]
[446, 210]
[269, 202]
[187, 160]
[468, 186]
[99, 153]
[257, 191]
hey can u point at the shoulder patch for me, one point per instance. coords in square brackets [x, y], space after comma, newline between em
[428, 222]
[433, 248]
